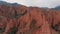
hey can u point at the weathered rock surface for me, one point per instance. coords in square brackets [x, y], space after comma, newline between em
[28, 20]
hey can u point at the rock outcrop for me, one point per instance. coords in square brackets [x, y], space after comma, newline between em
[19, 19]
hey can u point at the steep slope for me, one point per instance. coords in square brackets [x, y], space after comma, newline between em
[19, 19]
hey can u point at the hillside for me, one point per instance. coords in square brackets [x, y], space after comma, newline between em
[19, 19]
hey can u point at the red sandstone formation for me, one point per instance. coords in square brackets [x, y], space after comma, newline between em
[28, 20]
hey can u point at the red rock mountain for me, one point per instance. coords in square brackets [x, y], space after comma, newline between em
[28, 20]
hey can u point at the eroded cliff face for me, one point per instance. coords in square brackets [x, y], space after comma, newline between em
[28, 20]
